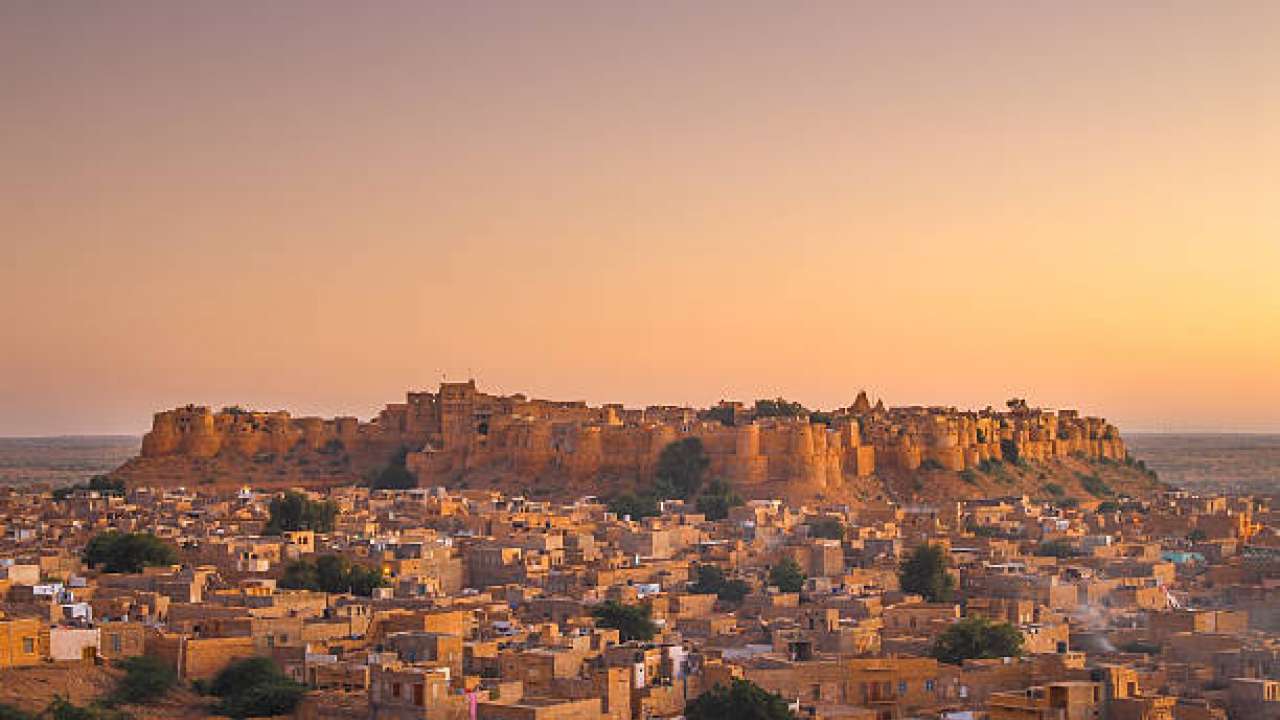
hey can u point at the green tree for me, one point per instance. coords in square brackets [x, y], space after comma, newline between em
[146, 679]
[333, 574]
[743, 700]
[637, 506]
[633, 622]
[722, 414]
[682, 468]
[977, 637]
[295, 511]
[779, 407]
[255, 687]
[116, 552]
[787, 575]
[925, 573]
[828, 527]
[716, 501]
[712, 581]
[396, 475]
[1197, 536]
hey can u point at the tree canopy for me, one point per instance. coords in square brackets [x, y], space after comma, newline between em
[718, 498]
[742, 700]
[830, 528]
[637, 506]
[712, 581]
[333, 574]
[255, 687]
[295, 511]
[779, 407]
[116, 552]
[633, 622]
[925, 573]
[977, 637]
[682, 468]
[787, 575]
[396, 475]
[146, 679]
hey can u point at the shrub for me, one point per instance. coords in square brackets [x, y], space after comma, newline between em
[145, 680]
[969, 476]
[255, 687]
[1095, 485]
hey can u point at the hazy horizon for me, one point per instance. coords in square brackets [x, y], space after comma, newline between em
[317, 206]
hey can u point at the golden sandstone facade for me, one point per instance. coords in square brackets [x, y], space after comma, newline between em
[460, 432]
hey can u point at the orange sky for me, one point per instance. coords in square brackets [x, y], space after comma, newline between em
[316, 206]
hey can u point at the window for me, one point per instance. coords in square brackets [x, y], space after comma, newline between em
[928, 685]
[28, 645]
[395, 690]
[902, 687]
[115, 642]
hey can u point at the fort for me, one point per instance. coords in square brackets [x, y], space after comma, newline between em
[460, 434]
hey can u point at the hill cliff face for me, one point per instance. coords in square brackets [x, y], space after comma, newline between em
[459, 436]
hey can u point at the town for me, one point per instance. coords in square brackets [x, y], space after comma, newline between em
[727, 576]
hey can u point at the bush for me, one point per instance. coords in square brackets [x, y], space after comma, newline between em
[969, 476]
[295, 511]
[63, 709]
[264, 700]
[145, 680]
[1095, 485]
[787, 576]
[10, 712]
[255, 687]
[117, 552]
[1054, 490]
[931, 464]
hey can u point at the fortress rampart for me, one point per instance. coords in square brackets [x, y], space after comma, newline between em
[459, 431]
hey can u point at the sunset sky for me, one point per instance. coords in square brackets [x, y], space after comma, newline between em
[316, 206]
